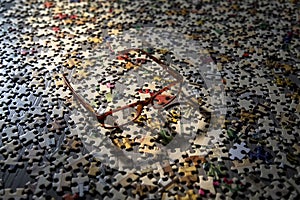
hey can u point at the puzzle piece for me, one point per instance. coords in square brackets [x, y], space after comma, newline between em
[187, 173]
[93, 169]
[19, 194]
[81, 182]
[61, 180]
[269, 171]
[140, 190]
[33, 155]
[238, 151]
[72, 144]
[125, 181]
[41, 184]
[207, 184]
[244, 166]
[80, 160]
[276, 190]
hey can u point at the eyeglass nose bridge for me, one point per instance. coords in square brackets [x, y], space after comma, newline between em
[141, 105]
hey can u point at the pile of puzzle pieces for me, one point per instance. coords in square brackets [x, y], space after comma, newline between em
[51, 147]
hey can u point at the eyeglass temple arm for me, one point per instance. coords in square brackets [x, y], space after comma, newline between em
[171, 71]
[80, 99]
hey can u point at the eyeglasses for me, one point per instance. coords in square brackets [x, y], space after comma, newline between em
[129, 113]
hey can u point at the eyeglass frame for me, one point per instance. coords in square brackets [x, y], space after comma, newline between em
[140, 104]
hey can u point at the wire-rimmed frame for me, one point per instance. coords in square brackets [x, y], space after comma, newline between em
[139, 105]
